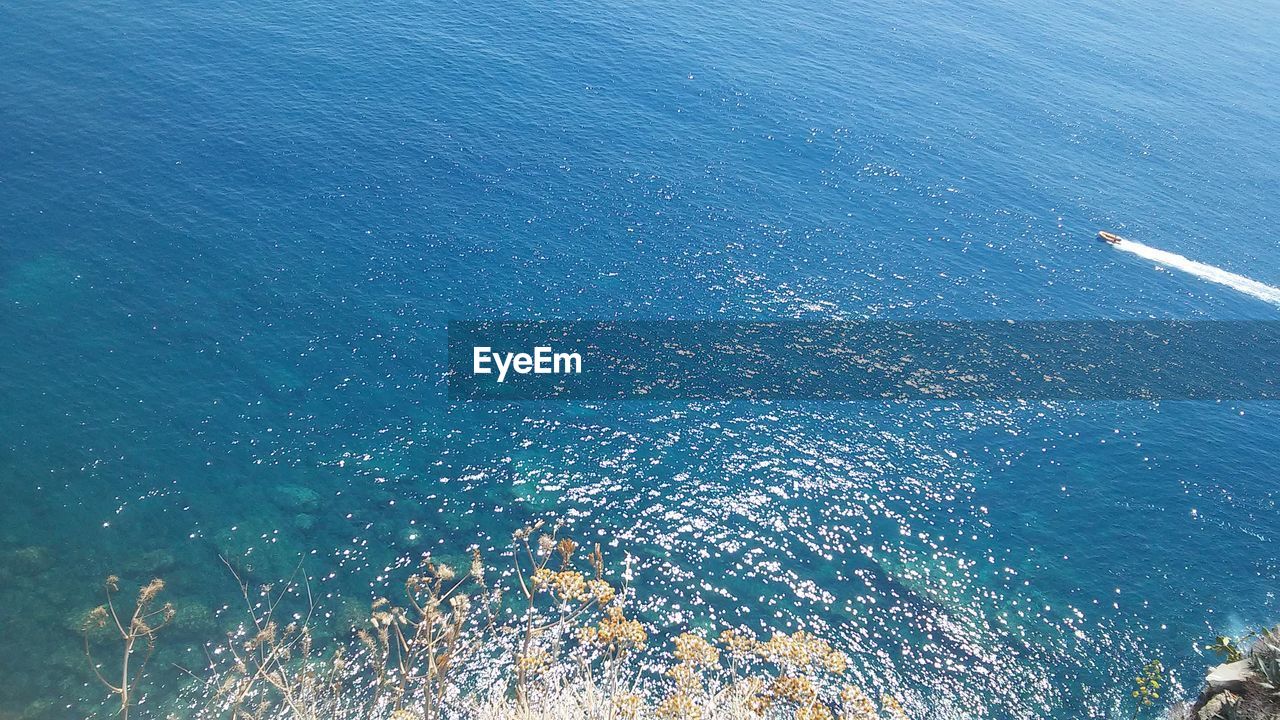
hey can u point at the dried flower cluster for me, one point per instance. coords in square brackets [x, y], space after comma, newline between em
[787, 676]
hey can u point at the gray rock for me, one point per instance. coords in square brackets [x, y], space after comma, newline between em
[1217, 704]
[1230, 675]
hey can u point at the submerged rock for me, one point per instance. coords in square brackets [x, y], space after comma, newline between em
[30, 559]
[257, 550]
[304, 522]
[144, 566]
[298, 498]
[75, 621]
[193, 620]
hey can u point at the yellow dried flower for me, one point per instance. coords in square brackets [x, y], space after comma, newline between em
[835, 662]
[760, 704]
[542, 577]
[616, 629]
[738, 642]
[893, 707]
[569, 584]
[799, 690]
[97, 618]
[627, 705]
[685, 677]
[695, 650]
[679, 706]
[815, 711]
[534, 662]
[149, 591]
[801, 650]
[600, 591]
[857, 704]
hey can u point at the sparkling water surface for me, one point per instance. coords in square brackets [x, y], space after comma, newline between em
[231, 235]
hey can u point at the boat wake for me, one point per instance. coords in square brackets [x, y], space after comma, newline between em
[1262, 291]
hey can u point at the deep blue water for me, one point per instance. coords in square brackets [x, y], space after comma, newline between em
[231, 235]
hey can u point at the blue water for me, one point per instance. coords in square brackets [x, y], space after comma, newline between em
[231, 235]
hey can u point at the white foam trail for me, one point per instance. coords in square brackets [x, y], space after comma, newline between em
[1262, 291]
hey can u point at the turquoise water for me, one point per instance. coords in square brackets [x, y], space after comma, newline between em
[232, 236]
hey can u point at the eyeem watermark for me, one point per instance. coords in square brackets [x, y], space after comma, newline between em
[542, 361]
[865, 360]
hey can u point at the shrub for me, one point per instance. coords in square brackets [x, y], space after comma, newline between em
[553, 639]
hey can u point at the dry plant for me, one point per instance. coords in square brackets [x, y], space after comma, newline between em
[401, 667]
[550, 640]
[560, 605]
[272, 666]
[788, 676]
[141, 627]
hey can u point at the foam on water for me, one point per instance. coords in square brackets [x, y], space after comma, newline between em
[1248, 286]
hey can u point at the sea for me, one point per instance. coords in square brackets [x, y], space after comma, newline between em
[232, 235]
